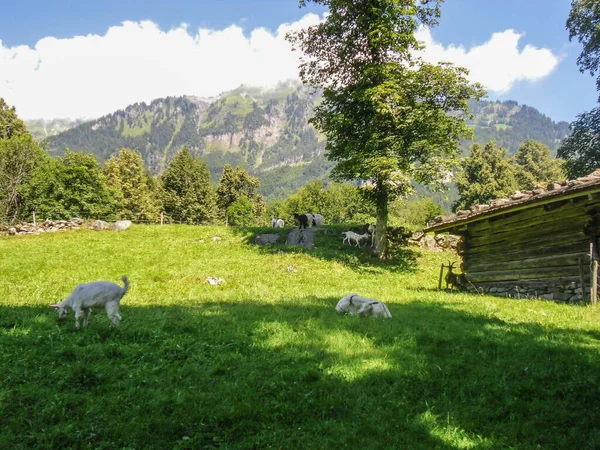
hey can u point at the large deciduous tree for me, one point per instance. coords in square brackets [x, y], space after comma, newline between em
[187, 193]
[20, 157]
[389, 117]
[71, 186]
[581, 150]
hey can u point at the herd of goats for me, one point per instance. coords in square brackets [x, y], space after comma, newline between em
[108, 295]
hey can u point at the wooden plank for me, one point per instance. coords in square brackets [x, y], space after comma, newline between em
[554, 228]
[529, 243]
[524, 274]
[533, 250]
[569, 259]
[525, 219]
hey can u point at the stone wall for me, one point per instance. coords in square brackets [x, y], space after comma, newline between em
[566, 291]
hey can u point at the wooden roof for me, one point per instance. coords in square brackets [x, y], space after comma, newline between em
[554, 192]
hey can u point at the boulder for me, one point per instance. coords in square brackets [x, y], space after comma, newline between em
[267, 239]
[99, 225]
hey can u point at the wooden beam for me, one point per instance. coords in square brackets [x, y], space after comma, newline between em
[569, 259]
[524, 274]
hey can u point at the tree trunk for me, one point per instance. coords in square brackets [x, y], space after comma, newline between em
[381, 226]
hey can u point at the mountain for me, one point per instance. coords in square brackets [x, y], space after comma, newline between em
[265, 131]
[42, 128]
[509, 124]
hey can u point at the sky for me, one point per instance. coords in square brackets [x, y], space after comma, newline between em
[85, 59]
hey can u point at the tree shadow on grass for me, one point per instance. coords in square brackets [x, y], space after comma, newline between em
[249, 375]
[329, 246]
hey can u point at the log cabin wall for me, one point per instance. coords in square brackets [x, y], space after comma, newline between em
[539, 252]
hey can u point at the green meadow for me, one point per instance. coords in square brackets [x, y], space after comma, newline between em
[263, 361]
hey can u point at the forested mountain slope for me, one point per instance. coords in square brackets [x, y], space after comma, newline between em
[266, 131]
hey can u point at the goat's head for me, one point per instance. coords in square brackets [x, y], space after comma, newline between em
[61, 309]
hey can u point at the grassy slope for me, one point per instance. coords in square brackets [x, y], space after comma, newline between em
[263, 361]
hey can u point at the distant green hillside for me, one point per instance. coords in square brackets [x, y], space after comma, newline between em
[265, 131]
[509, 124]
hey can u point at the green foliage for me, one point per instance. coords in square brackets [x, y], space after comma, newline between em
[485, 175]
[20, 158]
[263, 361]
[285, 152]
[235, 183]
[337, 203]
[534, 165]
[10, 124]
[187, 195]
[388, 116]
[414, 212]
[71, 186]
[583, 23]
[240, 212]
[581, 150]
[135, 190]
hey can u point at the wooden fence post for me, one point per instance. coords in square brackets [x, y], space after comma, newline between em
[581, 279]
[34, 220]
[162, 218]
[440, 280]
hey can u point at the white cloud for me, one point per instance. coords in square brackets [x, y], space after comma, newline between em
[497, 64]
[88, 76]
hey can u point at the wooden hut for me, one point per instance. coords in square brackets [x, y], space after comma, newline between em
[535, 244]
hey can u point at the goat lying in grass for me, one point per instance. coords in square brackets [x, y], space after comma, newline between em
[355, 305]
[93, 295]
[352, 236]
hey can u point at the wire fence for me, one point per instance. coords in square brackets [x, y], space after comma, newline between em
[39, 217]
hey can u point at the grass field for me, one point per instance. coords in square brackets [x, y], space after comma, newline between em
[263, 361]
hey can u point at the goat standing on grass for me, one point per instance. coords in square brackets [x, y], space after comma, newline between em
[93, 295]
[352, 236]
[303, 220]
[454, 279]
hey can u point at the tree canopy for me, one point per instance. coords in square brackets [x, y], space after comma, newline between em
[134, 188]
[486, 174]
[582, 149]
[10, 124]
[187, 193]
[534, 165]
[389, 117]
[583, 23]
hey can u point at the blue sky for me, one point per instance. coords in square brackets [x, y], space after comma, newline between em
[84, 59]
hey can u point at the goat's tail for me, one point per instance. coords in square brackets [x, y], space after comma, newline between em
[126, 284]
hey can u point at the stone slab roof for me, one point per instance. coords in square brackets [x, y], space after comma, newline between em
[555, 191]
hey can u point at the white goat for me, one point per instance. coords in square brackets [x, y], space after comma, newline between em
[352, 236]
[279, 223]
[355, 305]
[93, 295]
